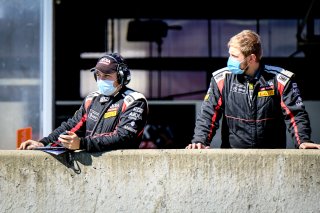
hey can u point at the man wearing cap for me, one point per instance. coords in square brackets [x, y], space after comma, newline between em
[111, 118]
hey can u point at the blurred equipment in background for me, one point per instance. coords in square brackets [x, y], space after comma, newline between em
[309, 43]
[157, 137]
[150, 30]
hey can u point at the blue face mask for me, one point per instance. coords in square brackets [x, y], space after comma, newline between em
[234, 66]
[106, 87]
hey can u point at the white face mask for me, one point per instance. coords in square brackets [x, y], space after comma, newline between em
[106, 87]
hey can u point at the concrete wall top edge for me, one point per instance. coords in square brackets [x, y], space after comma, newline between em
[18, 153]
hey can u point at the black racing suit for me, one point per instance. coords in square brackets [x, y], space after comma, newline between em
[107, 123]
[256, 111]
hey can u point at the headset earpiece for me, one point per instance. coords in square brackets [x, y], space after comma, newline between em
[121, 76]
[95, 75]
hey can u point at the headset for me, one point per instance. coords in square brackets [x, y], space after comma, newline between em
[123, 72]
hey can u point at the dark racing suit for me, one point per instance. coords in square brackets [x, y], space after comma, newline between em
[256, 111]
[107, 123]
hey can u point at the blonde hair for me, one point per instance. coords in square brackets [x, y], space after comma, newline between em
[248, 42]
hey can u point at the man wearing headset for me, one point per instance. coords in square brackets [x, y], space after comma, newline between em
[111, 118]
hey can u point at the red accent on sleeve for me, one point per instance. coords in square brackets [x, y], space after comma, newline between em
[289, 113]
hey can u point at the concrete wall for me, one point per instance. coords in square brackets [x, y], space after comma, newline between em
[215, 180]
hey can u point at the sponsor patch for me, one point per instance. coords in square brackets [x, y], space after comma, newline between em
[238, 88]
[114, 106]
[104, 99]
[135, 116]
[206, 97]
[128, 99]
[105, 61]
[267, 87]
[299, 101]
[270, 83]
[138, 109]
[112, 111]
[110, 114]
[295, 89]
[282, 79]
[218, 77]
[129, 128]
[265, 93]
[93, 115]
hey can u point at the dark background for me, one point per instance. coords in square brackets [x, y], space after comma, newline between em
[80, 27]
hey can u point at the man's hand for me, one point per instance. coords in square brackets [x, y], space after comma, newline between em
[30, 144]
[70, 140]
[197, 146]
[308, 145]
